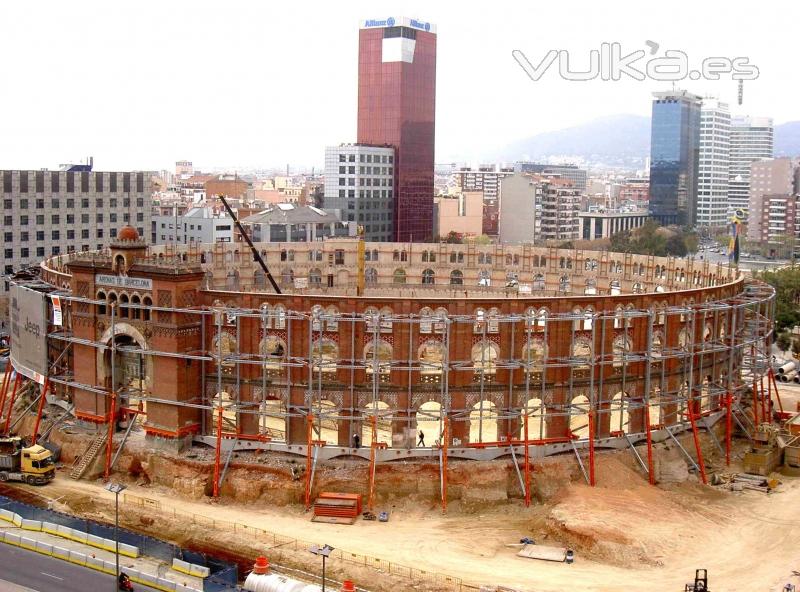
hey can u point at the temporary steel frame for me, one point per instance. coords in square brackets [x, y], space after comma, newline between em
[734, 334]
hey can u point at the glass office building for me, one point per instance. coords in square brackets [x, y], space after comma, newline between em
[396, 107]
[674, 155]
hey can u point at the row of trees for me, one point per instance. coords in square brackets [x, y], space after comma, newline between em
[786, 282]
[653, 239]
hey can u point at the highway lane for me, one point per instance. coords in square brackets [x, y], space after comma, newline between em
[41, 573]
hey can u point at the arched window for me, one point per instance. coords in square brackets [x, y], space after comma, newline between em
[439, 322]
[591, 286]
[431, 358]
[380, 356]
[432, 256]
[424, 256]
[259, 279]
[399, 276]
[582, 351]
[428, 277]
[493, 323]
[480, 320]
[563, 283]
[284, 256]
[426, 321]
[331, 319]
[509, 259]
[147, 303]
[315, 277]
[136, 313]
[484, 357]
[456, 278]
[614, 287]
[371, 276]
[324, 356]
[538, 282]
[481, 258]
[280, 317]
[273, 351]
[621, 346]
[124, 311]
[533, 354]
[374, 254]
[101, 306]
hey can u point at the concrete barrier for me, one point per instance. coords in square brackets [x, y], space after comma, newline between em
[50, 528]
[34, 525]
[128, 550]
[190, 569]
[61, 553]
[78, 558]
[12, 538]
[27, 543]
[44, 548]
[16, 520]
[6, 515]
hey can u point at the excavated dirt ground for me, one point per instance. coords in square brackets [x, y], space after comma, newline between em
[624, 531]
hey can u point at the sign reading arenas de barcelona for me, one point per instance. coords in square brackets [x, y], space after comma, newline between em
[122, 281]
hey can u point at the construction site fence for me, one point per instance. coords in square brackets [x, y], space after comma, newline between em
[279, 545]
[224, 575]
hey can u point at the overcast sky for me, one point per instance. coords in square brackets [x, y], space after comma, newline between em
[239, 84]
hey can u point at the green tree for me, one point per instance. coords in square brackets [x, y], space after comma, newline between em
[483, 240]
[784, 341]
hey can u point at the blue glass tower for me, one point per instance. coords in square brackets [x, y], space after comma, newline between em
[674, 153]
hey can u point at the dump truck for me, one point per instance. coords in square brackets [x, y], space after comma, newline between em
[32, 464]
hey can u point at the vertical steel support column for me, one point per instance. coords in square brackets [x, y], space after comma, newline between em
[443, 452]
[309, 447]
[697, 447]
[591, 447]
[38, 412]
[17, 380]
[218, 450]
[527, 465]
[773, 383]
[648, 366]
[110, 438]
[728, 427]
[4, 388]
[372, 454]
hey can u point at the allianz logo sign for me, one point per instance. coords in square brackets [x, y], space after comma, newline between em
[390, 22]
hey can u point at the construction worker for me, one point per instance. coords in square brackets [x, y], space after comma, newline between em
[421, 442]
[356, 441]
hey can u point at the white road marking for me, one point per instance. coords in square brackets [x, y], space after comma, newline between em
[52, 576]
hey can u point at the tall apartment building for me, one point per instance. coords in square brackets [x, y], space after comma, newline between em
[538, 209]
[674, 154]
[713, 167]
[570, 172]
[359, 187]
[771, 182]
[751, 140]
[396, 107]
[485, 178]
[51, 212]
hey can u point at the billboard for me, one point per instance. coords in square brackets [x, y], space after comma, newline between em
[29, 332]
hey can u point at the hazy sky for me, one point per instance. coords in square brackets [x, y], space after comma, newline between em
[264, 83]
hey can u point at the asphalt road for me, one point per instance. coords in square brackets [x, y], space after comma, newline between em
[41, 573]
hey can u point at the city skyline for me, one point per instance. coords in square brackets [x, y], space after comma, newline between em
[165, 106]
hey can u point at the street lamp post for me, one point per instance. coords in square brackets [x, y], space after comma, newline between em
[116, 489]
[325, 552]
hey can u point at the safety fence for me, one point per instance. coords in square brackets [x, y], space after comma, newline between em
[280, 547]
[223, 575]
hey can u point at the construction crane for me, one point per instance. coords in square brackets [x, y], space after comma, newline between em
[256, 254]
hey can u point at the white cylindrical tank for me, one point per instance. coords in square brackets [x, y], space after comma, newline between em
[275, 583]
[789, 376]
[787, 367]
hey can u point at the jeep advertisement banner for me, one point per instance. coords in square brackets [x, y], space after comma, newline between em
[29, 332]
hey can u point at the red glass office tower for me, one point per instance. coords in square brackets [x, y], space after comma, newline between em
[396, 106]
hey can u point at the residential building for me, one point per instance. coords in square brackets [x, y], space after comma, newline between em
[713, 164]
[485, 178]
[197, 225]
[396, 107]
[227, 185]
[288, 223]
[635, 190]
[674, 154]
[184, 168]
[462, 213]
[570, 172]
[778, 177]
[538, 209]
[604, 224]
[50, 212]
[359, 187]
[751, 140]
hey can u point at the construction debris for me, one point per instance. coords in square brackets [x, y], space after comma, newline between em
[543, 552]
